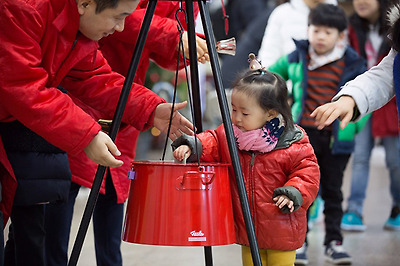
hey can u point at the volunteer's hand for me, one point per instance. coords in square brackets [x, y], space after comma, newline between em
[179, 124]
[283, 200]
[101, 150]
[201, 46]
[182, 152]
[343, 108]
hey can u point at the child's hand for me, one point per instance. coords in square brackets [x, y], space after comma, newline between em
[283, 200]
[182, 152]
[101, 149]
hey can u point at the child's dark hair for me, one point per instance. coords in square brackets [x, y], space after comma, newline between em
[269, 89]
[104, 4]
[328, 15]
[394, 21]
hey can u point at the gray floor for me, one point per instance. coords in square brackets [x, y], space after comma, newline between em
[373, 247]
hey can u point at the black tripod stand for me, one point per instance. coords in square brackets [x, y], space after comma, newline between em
[205, 17]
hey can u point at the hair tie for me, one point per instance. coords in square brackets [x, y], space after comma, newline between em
[255, 64]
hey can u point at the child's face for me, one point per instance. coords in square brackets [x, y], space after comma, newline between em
[323, 39]
[247, 114]
[98, 25]
[367, 9]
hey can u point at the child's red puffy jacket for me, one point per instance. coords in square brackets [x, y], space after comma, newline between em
[291, 163]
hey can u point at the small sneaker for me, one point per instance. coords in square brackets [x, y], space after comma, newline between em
[393, 223]
[301, 256]
[335, 253]
[352, 222]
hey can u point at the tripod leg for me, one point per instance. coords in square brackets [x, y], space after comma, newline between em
[205, 17]
[194, 69]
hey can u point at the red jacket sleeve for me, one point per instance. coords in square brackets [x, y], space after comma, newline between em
[25, 93]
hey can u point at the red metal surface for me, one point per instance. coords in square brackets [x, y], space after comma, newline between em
[177, 204]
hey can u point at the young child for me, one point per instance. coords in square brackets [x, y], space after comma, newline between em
[45, 44]
[317, 69]
[368, 92]
[368, 36]
[279, 167]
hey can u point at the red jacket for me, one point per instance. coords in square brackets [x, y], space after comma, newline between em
[291, 165]
[40, 48]
[161, 44]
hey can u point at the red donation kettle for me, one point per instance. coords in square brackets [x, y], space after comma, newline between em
[176, 204]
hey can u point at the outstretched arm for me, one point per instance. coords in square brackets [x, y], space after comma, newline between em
[343, 109]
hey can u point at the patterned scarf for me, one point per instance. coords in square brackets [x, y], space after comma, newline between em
[263, 139]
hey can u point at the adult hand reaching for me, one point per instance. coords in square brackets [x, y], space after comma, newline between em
[101, 150]
[201, 46]
[343, 108]
[179, 123]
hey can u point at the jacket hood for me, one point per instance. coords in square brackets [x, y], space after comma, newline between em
[289, 137]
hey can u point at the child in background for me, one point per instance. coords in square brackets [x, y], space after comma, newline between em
[318, 68]
[287, 21]
[368, 36]
[369, 91]
[279, 166]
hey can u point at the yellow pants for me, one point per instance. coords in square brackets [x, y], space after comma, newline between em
[270, 257]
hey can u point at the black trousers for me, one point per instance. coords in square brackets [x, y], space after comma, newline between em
[25, 244]
[332, 168]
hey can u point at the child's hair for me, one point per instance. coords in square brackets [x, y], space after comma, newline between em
[394, 22]
[104, 4]
[328, 15]
[269, 89]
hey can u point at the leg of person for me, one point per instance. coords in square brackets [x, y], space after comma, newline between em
[391, 145]
[28, 235]
[332, 168]
[315, 138]
[280, 257]
[107, 226]
[58, 219]
[9, 249]
[1, 238]
[352, 219]
[247, 259]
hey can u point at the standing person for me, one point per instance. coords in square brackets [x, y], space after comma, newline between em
[318, 68]
[162, 47]
[279, 167]
[367, 35]
[35, 114]
[287, 21]
[369, 92]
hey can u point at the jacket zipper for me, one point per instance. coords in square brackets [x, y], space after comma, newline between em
[253, 156]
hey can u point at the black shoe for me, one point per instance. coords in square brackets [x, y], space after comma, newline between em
[335, 253]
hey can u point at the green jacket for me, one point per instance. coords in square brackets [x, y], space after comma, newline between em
[293, 67]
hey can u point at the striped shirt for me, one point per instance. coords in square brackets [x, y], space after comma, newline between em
[322, 85]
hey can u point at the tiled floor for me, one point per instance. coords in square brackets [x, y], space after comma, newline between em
[374, 247]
